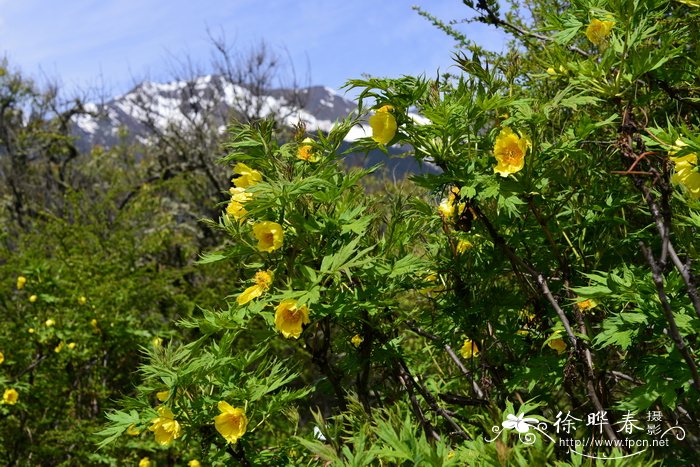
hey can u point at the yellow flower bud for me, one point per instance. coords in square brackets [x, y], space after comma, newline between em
[469, 349]
[383, 125]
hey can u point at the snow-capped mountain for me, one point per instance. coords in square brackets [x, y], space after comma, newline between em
[212, 101]
[157, 106]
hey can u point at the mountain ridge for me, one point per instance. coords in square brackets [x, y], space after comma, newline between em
[211, 100]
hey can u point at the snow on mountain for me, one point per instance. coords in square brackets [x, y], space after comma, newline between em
[157, 106]
[211, 102]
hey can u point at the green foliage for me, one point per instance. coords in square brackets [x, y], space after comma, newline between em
[552, 262]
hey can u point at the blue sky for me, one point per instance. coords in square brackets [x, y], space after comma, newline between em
[114, 43]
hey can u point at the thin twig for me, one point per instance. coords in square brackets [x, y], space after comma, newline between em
[477, 389]
[431, 401]
[668, 313]
[425, 423]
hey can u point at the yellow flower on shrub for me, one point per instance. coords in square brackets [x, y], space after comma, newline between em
[306, 152]
[263, 279]
[145, 462]
[21, 281]
[509, 152]
[194, 463]
[356, 340]
[289, 318]
[72, 345]
[586, 305]
[557, 344]
[2, 358]
[383, 125]
[235, 207]
[33, 299]
[447, 205]
[165, 427]
[231, 423]
[464, 245]
[49, 323]
[246, 176]
[687, 173]
[163, 395]
[270, 235]
[95, 327]
[598, 31]
[59, 347]
[469, 349]
[10, 397]
[82, 300]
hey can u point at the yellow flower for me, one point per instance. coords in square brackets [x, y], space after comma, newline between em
[82, 300]
[49, 323]
[587, 304]
[557, 344]
[464, 245]
[59, 347]
[165, 427]
[72, 345]
[356, 340]
[383, 125]
[95, 327]
[270, 235]
[551, 71]
[246, 176]
[132, 430]
[447, 205]
[30, 330]
[306, 152]
[2, 358]
[509, 151]
[469, 349]
[33, 299]
[289, 318]
[194, 463]
[598, 31]
[163, 395]
[10, 397]
[231, 423]
[687, 173]
[21, 281]
[235, 207]
[145, 462]
[263, 279]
